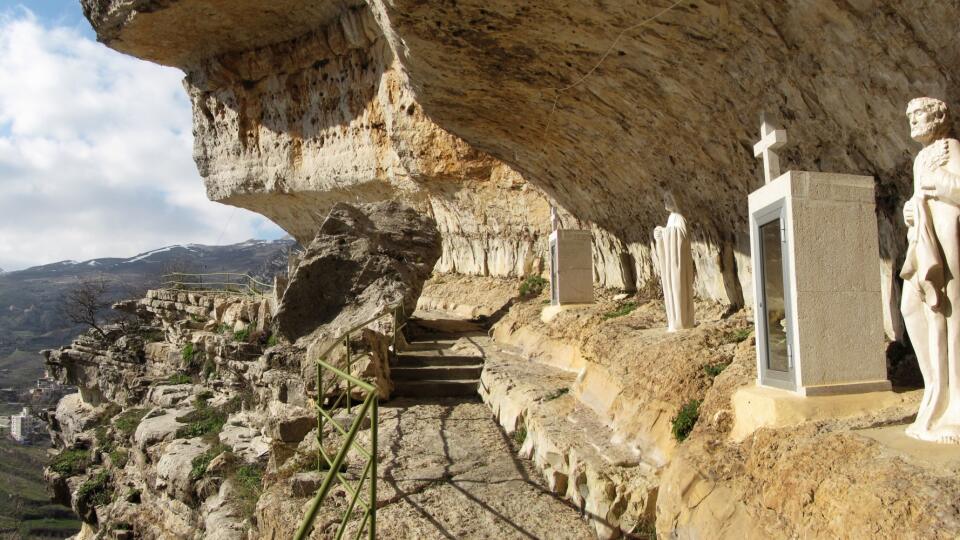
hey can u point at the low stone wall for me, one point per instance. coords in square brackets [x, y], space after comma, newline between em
[580, 457]
[235, 311]
[596, 394]
[631, 372]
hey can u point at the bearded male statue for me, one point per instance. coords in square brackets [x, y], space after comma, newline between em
[931, 270]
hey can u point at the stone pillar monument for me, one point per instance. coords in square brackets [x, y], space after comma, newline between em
[571, 264]
[931, 290]
[675, 263]
[816, 264]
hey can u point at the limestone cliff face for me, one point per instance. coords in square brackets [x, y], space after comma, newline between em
[299, 107]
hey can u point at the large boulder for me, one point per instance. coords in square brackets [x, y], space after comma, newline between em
[175, 466]
[365, 259]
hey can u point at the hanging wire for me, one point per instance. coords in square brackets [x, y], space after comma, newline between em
[560, 91]
[224, 230]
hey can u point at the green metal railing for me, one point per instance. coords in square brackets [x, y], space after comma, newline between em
[216, 282]
[368, 408]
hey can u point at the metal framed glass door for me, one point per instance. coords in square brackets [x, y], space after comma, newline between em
[774, 316]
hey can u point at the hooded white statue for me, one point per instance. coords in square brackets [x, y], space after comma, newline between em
[672, 245]
[931, 289]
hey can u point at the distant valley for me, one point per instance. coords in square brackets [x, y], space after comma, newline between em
[30, 299]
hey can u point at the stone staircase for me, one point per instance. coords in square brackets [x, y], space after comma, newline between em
[430, 367]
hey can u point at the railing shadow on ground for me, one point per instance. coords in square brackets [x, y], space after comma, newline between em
[460, 485]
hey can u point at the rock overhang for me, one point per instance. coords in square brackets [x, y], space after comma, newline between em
[406, 93]
[181, 33]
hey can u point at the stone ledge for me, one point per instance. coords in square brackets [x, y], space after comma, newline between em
[551, 312]
[938, 457]
[758, 407]
[580, 456]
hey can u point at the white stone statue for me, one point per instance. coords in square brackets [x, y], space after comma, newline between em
[675, 262]
[931, 289]
[554, 218]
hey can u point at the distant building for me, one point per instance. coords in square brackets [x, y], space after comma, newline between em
[24, 426]
[47, 392]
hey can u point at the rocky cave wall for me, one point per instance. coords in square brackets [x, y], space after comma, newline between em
[438, 103]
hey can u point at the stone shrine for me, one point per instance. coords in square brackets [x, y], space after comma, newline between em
[817, 301]
[571, 267]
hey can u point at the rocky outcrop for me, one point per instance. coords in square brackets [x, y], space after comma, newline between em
[364, 260]
[188, 405]
[160, 400]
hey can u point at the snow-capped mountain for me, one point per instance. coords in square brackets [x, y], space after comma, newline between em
[30, 316]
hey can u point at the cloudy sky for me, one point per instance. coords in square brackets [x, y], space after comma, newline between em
[95, 148]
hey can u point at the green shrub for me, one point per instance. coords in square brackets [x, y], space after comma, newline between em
[533, 286]
[248, 480]
[96, 490]
[188, 353]
[712, 370]
[625, 309]
[176, 378]
[119, 457]
[685, 419]
[126, 422]
[71, 462]
[520, 434]
[736, 336]
[203, 420]
[272, 340]
[200, 463]
[242, 336]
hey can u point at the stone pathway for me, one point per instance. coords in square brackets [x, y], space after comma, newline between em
[448, 471]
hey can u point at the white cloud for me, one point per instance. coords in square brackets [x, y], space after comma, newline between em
[96, 153]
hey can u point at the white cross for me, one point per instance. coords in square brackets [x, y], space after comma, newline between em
[770, 139]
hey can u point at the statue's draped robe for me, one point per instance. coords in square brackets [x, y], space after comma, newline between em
[931, 291]
[676, 272]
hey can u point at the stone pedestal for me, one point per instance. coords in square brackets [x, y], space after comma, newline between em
[756, 407]
[571, 267]
[817, 300]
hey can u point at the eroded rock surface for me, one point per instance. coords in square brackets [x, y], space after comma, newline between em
[364, 260]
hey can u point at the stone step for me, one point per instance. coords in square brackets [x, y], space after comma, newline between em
[436, 388]
[443, 327]
[431, 345]
[442, 373]
[423, 359]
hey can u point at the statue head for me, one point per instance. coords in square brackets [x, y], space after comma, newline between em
[670, 202]
[928, 119]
